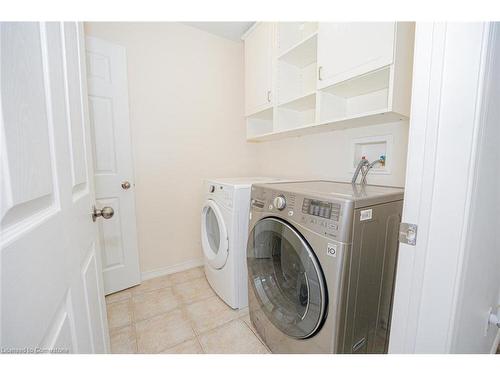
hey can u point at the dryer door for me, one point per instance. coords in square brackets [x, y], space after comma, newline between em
[214, 239]
[286, 278]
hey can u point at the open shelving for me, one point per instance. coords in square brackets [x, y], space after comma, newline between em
[368, 93]
[260, 123]
[291, 34]
[304, 103]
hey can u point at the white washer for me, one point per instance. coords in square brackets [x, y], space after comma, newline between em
[224, 232]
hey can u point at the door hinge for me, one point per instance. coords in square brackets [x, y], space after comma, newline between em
[408, 233]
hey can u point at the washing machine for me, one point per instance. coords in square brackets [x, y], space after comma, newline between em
[321, 260]
[224, 231]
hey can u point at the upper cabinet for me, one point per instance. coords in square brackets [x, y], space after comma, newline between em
[304, 77]
[259, 50]
[350, 49]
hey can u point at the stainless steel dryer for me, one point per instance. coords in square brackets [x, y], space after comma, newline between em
[321, 260]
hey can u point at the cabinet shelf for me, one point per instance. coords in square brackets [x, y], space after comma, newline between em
[302, 53]
[362, 120]
[301, 103]
[260, 123]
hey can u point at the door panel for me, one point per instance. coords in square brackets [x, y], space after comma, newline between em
[101, 112]
[46, 228]
[27, 139]
[90, 276]
[110, 235]
[349, 49]
[109, 115]
[258, 68]
[61, 332]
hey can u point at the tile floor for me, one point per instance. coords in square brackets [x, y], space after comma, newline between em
[178, 314]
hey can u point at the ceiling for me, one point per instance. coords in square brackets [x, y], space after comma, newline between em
[229, 30]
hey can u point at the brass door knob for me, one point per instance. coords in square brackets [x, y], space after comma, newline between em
[125, 185]
[105, 212]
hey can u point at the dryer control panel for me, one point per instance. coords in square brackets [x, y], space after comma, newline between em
[222, 194]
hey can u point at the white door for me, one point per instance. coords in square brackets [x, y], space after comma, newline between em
[449, 281]
[349, 49]
[258, 68]
[114, 174]
[51, 285]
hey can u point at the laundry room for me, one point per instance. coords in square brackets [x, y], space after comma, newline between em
[179, 139]
[249, 185]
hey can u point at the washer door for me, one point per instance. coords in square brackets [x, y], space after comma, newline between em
[286, 278]
[214, 238]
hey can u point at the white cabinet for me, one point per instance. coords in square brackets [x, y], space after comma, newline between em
[349, 49]
[326, 76]
[259, 51]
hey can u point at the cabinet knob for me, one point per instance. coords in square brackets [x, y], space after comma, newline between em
[269, 96]
[319, 73]
[125, 185]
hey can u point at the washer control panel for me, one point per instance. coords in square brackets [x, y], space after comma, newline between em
[322, 209]
[280, 202]
[331, 218]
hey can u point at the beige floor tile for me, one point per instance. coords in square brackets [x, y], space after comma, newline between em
[188, 347]
[193, 290]
[149, 304]
[152, 284]
[190, 274]
[233, 338]
[119, 313]
[248, 322]
[163, 331]
[118, 296]
[210, 313]
[243, 312]
[123, 340]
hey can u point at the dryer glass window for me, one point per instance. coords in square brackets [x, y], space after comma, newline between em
[213, 230]
[286, 278]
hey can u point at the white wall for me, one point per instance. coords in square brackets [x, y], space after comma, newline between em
[330, 155]
[186, 113]
[186, 116]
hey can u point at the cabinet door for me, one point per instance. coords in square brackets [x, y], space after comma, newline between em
[258, 68]
[346, 50]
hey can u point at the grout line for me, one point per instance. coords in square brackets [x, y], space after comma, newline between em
[136, 340]
[133, 325]
[203, 351]
[254, 331]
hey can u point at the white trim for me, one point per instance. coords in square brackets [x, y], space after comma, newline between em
[249, 31]
[183, 266]
[443, 129]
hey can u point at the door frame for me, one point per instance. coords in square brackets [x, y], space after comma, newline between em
[446, 122]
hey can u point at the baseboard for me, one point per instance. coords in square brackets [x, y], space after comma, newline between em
[171, 269]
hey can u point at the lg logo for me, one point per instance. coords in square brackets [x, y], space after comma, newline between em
[331, 250]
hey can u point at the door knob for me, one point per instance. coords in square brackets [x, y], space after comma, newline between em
[125, 185]
[105, 212]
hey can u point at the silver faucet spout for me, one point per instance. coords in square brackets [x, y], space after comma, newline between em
[367, 169]
[364, 167]
[362, 163]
